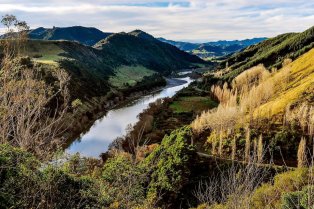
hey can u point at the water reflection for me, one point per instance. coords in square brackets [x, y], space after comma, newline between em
[114, 123]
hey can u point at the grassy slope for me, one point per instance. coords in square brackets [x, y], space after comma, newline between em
[271, 52]
[44, 52]
[300, 87]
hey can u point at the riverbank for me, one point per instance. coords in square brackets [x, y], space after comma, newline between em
[113, 120]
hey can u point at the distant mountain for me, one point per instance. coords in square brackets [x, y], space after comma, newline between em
[270, 52]
[245, 42]
[83, 35]
[185, 46]
[214, 49]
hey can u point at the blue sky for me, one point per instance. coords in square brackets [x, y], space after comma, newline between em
[193, 20]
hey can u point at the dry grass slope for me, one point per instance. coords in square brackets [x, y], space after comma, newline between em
[299, 87]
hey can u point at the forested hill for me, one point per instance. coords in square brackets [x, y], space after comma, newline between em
[138, 47]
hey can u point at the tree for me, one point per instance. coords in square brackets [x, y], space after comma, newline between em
[31, 109]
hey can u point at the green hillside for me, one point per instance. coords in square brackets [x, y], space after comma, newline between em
[138, 47]
[270, 52]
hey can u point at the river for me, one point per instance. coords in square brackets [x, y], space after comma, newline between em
[115, 122]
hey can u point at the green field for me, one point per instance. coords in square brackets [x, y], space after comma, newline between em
[129, 75]
[190, 104]
[44, 52]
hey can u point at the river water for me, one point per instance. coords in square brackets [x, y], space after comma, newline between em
[115, 122]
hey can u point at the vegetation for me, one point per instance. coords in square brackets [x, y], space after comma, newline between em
[188, 104]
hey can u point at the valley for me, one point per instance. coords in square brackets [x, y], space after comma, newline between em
[124, 120]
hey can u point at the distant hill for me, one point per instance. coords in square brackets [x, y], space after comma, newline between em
[116, 62]
[83, 35]
[270, 52]
[214, 49]
[185, 46]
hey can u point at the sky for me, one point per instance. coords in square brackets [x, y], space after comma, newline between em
[183, 20]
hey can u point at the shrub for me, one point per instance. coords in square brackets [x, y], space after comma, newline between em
[291, 200]
[170, 163]
[126, 180]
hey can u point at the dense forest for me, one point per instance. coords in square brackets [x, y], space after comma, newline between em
[241, 135]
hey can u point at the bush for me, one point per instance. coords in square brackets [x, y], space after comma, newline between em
[276, 195]
[169, 164]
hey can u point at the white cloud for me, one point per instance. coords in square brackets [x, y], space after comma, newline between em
[196, 20]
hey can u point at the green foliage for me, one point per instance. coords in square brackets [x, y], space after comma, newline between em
[25, 183]
[126, 180]
[300, 199]
[170, 163]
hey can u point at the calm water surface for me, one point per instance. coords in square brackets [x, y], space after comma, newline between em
[115, 122]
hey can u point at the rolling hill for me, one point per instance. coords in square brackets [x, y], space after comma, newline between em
[126, 56]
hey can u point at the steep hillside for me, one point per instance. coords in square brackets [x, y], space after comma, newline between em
[270, 52]
[83, 35]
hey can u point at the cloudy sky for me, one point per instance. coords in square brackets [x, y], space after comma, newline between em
[193, 20]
